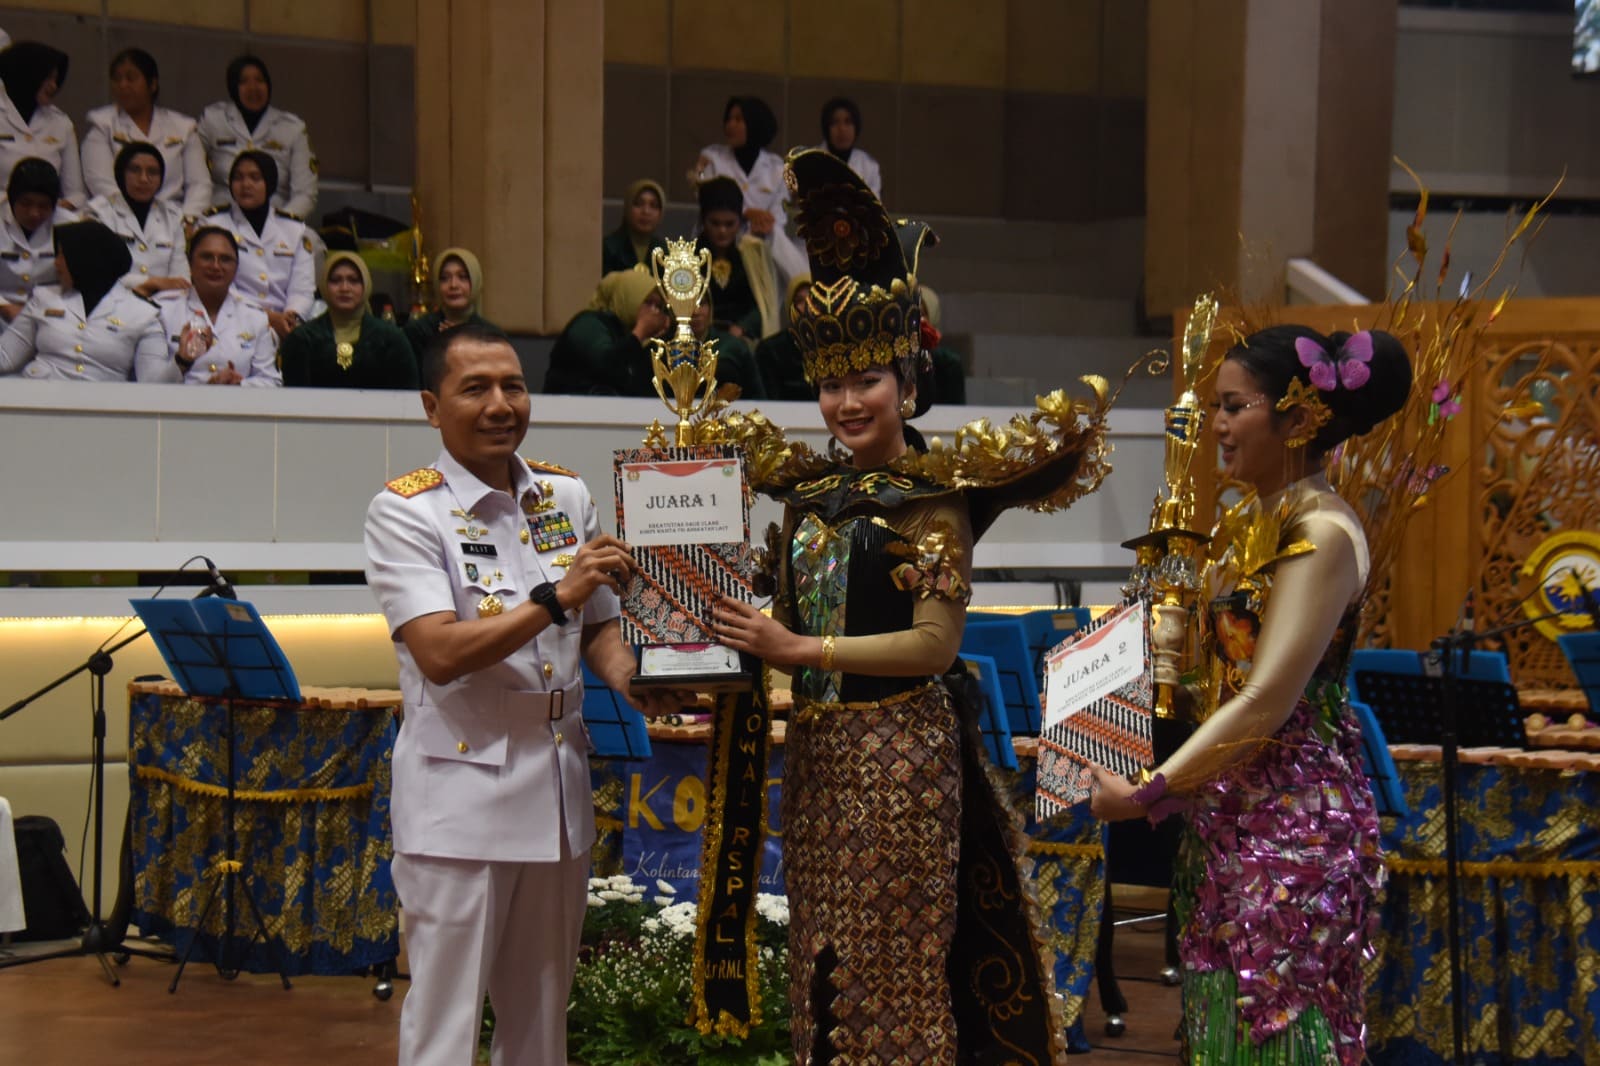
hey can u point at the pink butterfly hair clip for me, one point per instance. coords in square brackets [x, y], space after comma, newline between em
[1348, 366]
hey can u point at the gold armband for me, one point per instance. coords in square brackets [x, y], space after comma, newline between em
[827, 654]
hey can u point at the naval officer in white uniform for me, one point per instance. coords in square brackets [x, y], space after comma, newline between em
[495, 579]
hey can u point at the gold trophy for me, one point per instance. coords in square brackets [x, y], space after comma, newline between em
[421, 272]
[684, 365]
[1167, 558]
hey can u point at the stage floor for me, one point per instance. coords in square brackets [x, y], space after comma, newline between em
[63, 1013]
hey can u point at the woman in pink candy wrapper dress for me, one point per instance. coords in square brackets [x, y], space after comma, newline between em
[1279, 874]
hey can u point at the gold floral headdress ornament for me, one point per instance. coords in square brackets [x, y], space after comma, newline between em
[862, 309]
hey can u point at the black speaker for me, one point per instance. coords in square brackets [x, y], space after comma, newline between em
[52, 903]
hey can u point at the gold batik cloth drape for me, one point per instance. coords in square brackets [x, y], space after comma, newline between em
[312, 811]
[1530, 908]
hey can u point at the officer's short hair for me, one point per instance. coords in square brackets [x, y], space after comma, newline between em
[436, 353]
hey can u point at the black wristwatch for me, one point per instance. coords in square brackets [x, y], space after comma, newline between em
[545, 596]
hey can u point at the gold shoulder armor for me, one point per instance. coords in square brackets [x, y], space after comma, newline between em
[416, 482]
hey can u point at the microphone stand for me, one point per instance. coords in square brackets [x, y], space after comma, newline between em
[1455, 648]
[97, 939]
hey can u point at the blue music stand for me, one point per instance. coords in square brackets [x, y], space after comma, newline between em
[220, 649]
[1044, 628]
[618, 731]
[1006, 642]
[992, 722]
[1583, 653]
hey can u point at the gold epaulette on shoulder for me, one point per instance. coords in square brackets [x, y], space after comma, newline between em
[216, 209]
[292, 217]
[549, 468]
[416, 482]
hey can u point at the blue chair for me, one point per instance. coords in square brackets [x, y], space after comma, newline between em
[991, 710]
[618, 731]
[1005, 641]
[1043, 629]
[1583, 652]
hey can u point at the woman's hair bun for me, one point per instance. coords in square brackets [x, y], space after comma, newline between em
[1272, 358]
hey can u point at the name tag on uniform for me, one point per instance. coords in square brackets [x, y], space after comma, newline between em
[273, 146]
[8, 136]
[227, 141]
[553, 530]
[478, 549]
[170, 141]
[10, 257]
[55, 312]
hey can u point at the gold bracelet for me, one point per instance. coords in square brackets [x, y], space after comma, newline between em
[827, 654]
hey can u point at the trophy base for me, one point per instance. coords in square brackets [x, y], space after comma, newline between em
[702, 667]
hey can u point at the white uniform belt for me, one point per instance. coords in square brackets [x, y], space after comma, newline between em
[551, 705]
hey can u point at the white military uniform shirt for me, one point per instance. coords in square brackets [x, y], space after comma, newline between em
[109, 129]
[240, 335]
[27, 260]
[482, 769]
[279, 134]
[157, 246]
[50, 136]
[275, 266]
[121, 339]
[864, 165]
[763, 190]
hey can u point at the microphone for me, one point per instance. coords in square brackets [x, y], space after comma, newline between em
[220, 585]
[1590, 603]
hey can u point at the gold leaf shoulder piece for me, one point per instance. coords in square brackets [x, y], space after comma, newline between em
[771, 461]
[549, 468]
[981, 456]
[416, 482]
[933, 565]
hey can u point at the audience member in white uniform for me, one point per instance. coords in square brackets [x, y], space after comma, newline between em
[88, 328]
[841, 128]
[275, 251]
[152, 227]
[215, 337]
[748, 126]
[134, 118]
[247, 120]
[28, 221]
[31, 125]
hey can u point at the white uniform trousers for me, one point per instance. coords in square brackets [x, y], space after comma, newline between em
[509, 928]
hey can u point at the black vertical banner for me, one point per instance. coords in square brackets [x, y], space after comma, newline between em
[727, 982]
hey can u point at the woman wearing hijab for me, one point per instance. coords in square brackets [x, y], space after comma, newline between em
[633, 242]
[88, 328]
[215, 337]
[247, 120]
[743, 286]
[276, 254]
[151, 226]
[604, 350]
[28, 221]
[458, 284]
[748, 126]
[841, 127]
[348, 347]
[132, 118]
[778, 356]
[30, 122]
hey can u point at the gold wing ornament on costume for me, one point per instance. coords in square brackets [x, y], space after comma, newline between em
[1042, 460]
[932, 566]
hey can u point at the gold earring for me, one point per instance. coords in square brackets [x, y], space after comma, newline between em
[908, 407]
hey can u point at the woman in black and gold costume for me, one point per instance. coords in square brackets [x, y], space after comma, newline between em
[911, 938]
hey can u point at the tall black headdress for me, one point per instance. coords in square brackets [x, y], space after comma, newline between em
[862, 309]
